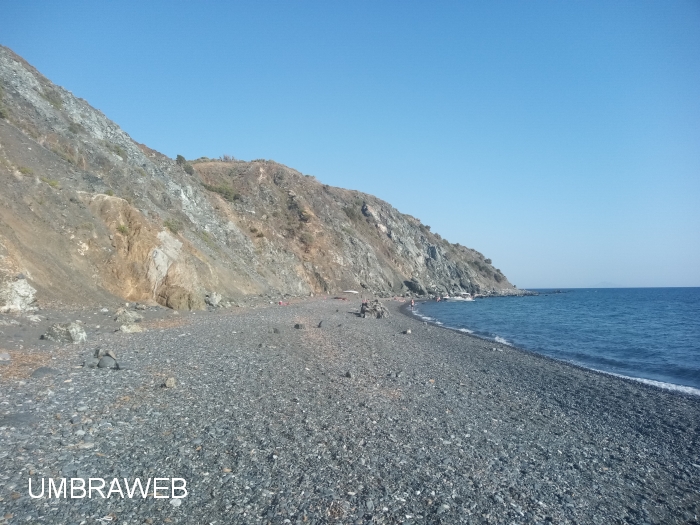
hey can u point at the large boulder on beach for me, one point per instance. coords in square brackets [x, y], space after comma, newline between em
[374, 309]
[66, 333]
[125, 316]
[213, 299]
[17, 296]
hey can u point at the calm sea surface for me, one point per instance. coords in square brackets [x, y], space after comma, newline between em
[650, 334]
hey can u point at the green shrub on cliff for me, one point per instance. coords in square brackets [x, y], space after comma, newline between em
[227, 192]
[173, 225]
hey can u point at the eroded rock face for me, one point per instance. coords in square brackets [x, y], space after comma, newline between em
[17, 296]
[119, 218]
[66, 333]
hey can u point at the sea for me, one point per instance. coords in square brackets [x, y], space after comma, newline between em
[650, 335]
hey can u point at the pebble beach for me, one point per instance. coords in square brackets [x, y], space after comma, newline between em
[310, 414]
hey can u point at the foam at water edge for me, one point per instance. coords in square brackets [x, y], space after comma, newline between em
[502, 341]
[465, 330]
[659, 384]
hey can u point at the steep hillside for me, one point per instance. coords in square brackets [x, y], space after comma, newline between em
[86, 214]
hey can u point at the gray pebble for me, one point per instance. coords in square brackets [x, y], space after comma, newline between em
[44, 371]
[106, 362]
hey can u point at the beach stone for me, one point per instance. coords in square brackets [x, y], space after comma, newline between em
[5, 358]
[104, 310]
[374, 309]
[18, 419]
[91, 362]
[124, 316]
[140, 306]
[348, 374]
[107, 362]
[131, 329]
[66, 333]
[44, 371]
[169, 383]
[300, 326]
[320, 324]
[176, 502]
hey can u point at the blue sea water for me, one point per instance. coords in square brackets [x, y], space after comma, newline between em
[649, 334]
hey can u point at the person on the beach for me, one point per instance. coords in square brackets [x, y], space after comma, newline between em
[413, 303]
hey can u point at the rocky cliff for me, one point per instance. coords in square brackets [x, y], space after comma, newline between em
[87, 214]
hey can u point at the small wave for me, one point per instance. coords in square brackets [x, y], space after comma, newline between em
[499, 339]
[659, 384]
[465, 330]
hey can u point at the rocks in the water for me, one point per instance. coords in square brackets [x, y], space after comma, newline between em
[130, 328]
[125, 316]
[213, 299]
[300, 326]
[374, 309]
[17, 296]
[66, 333]
[169, 383]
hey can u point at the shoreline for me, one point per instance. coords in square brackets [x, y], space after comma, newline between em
[350, 422]
[682, 390]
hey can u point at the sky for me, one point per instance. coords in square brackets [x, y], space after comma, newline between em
[559, 138]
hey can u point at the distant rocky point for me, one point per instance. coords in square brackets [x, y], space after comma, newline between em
[88, 215]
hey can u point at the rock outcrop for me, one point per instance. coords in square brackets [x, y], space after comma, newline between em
[87, 214]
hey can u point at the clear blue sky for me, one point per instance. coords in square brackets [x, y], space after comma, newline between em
[559, 138]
